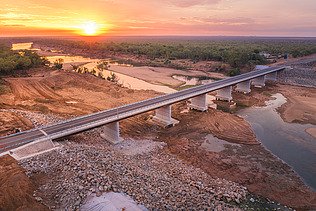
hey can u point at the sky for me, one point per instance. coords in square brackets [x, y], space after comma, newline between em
[158, 17]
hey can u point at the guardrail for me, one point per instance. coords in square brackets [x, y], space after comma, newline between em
[136, 108]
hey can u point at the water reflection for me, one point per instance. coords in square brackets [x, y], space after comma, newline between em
[288, 141]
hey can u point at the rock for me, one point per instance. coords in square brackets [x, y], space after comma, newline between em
[101, 188]
[252, 200]
[39, 199]
[157, 180]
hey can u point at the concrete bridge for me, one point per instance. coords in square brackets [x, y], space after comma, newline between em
[109, 119]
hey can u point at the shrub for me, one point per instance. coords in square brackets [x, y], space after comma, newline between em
[58, 63]
[233, 72]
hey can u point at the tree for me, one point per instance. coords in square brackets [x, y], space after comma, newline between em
[233, 72]
[112, 77]
[58, 63]
[103, 65]
[100, 75]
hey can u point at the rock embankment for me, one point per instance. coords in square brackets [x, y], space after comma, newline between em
[299, 76]
[157, 180]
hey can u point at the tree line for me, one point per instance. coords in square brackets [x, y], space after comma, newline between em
[237, 53]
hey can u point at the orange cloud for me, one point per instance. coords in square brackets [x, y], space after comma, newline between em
[164, 17]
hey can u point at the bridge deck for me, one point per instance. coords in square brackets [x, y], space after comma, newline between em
[90, 121]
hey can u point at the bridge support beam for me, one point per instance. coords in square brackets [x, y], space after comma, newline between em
[272, 76]
[199, 103]
[33, 149]
[244, 87]
[224, 94]
[163, 116]
[259, 81]
[111, 133]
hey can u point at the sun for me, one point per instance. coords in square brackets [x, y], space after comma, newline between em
[90, 28]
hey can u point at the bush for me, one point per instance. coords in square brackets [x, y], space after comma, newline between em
[12, 62]
[103, 65]
[234, 72]
[112, 77]
[58, 64]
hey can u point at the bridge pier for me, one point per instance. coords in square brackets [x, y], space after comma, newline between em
[272, 76]
[163, 116]
[244, 87]
[199, 103]
[111, 133]
[259, 81]
[224, 94]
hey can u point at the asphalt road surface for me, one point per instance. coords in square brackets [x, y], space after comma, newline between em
[83, 123]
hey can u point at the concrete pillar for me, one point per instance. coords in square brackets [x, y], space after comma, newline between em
[199, 103]
[259, 81]
[163, 116]
[272, 76]
[111, 132]
[224, 94]
[244, 87]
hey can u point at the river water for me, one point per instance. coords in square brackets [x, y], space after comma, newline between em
[288, 141]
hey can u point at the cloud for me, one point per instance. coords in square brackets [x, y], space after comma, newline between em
[190, 3]
[217, 21]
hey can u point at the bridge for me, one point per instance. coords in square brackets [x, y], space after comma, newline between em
[109, 119]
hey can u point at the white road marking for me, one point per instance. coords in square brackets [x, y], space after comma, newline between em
[43, 132]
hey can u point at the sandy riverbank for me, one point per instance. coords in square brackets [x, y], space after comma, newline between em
[311, 131]
[300, 106]
[161, 75]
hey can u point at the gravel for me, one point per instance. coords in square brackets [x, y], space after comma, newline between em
[155, 179]
[299, 76]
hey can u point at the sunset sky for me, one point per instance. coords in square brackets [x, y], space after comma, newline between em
[162, 17]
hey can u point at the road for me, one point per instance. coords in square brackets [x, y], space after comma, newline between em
[82, 123]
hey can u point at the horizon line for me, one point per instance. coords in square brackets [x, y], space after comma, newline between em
[100, 36]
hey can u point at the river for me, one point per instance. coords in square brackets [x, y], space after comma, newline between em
[288, 141]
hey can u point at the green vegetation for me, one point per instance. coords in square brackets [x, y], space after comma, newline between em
[112, 77]
[16, 62]
[58, 63]
[237, 52]
[233, 72]
[103, 65]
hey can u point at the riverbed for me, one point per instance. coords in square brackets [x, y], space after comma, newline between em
[288, 141]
